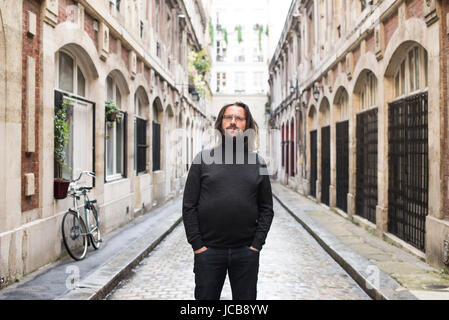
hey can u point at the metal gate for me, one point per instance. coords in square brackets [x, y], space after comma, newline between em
[408, 169]
[366, 181]
[325, 163]
[313, 162]
[342, 161]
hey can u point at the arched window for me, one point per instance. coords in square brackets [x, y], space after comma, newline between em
[72, 88]
[368, 91]
[412, 73]
[140, 133]
[115, 135]
[156, 137]
[342, 103]
[70, 76]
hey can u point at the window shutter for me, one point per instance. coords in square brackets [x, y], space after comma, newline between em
[156, 146]
[141, 145]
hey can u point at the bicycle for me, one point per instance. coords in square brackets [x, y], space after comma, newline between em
[76, 236]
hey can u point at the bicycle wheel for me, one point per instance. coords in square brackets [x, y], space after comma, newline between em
[94, 227]
[74, 235]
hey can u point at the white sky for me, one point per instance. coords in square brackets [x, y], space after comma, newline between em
[278, 14]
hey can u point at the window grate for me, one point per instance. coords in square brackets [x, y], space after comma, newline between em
[408, 165]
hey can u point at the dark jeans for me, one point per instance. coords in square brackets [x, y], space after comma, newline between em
[211, 266]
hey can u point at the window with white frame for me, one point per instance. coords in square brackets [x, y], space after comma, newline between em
[115, 135]
[221, 81]
[369, 91]
[258, 82]
[240, 82]
[257, 54]
[221, 50]
[72, 88]
[412, 73]
[240, 54]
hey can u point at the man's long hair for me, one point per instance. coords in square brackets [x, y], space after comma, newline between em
[250, 124]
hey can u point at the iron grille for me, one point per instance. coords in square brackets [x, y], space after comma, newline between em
[342, 161]
[366, 181]
[325, 163]
[408, 165]
[313, 162]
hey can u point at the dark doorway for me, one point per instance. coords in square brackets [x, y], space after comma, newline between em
[366, 182]
[325, 163]
[342, 162]
[408, 175]
[313, 162]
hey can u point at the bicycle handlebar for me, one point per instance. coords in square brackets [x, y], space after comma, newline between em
[89, 173]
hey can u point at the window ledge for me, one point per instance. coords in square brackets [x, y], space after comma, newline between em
[114, 179]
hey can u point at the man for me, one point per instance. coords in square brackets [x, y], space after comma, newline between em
[228, 209]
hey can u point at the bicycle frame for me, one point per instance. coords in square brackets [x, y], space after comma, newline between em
[76, 195]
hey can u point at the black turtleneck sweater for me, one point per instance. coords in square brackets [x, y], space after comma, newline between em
[227, 204]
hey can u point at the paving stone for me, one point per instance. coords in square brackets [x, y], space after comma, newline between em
[293, 266]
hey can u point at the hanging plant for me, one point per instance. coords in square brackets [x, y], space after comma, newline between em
[267, 32]
[260, 37]
[239, 33]
[211, 31]
[225, 32]
[202, 62]
[111, 112]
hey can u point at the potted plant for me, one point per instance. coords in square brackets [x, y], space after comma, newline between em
[111, 112]
[60, 185]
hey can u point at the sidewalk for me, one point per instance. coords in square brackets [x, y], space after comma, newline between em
[101, 270]
[381, 269]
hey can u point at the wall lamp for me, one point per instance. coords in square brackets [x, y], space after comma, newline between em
[316, 91]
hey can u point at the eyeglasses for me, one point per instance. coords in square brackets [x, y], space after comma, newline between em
[237, 118]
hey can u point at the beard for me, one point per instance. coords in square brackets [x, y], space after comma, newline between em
[233, 131]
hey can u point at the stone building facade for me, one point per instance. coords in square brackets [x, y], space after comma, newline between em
[240, 58]
[131, 52]
[359, 112]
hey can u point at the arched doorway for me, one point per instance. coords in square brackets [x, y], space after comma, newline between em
[341, 117]
[408, 155]
[156, 128]
[313, 154]
[141, 116]
[325, 151]
[367, 145]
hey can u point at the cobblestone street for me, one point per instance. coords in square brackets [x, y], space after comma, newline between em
[292, 266]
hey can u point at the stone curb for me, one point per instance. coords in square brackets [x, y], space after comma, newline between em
[103, 280]
[376, 283]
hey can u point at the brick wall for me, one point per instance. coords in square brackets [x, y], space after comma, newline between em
[370, 44]
[30, 161]
[390, 27]
[89, 28]
[415, 9]
[125, 56]
[64, 12]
